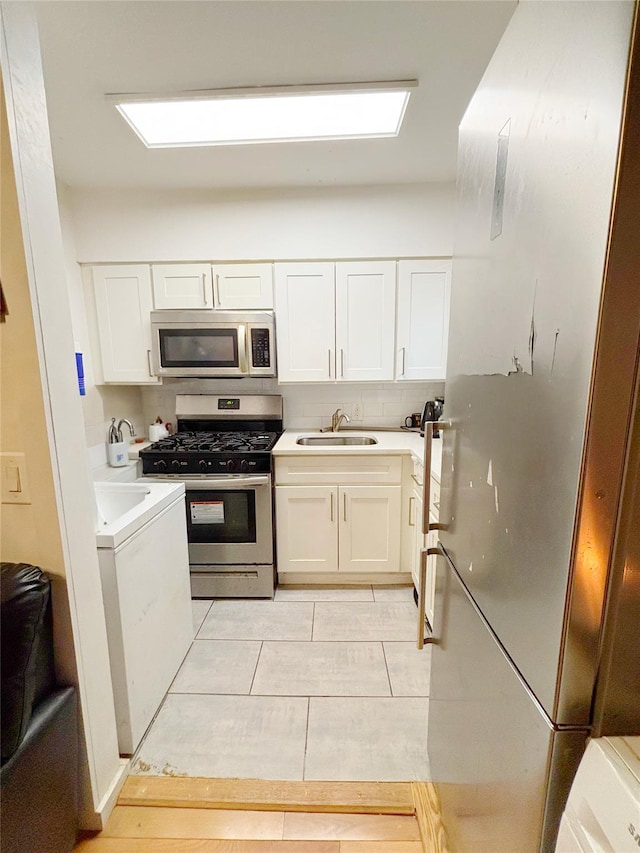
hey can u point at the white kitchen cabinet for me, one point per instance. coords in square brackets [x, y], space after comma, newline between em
[338, 529]
[335, 321]
[123, 304]
[365, 320]
[341, 516]
[369, 529]
[305, 318]
[307, 528]
[424, 292]
[182, 286]
[243, 286]
[418, 540]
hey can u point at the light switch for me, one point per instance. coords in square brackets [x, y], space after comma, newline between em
[13, 479]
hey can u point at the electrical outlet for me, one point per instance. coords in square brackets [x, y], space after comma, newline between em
[357, 411]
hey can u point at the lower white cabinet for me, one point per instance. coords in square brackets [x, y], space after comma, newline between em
[417, 540]
[338, 514]
[338, 528]
[307, 528]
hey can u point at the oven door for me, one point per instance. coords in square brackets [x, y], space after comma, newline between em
[229, 521]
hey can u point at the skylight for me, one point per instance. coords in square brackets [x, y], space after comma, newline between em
[277, 114]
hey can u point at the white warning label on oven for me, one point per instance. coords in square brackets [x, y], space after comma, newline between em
[207, 512]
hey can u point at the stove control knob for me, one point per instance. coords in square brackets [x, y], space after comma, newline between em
[202, 464]
[244, 465]
[175, 465]
[160, 465]
[231, 465]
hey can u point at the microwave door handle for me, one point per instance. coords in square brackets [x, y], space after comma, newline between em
[242, 348]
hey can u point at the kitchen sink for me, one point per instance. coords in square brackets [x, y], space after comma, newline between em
[336, 440]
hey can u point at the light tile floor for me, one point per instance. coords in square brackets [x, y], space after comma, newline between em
[318, 684]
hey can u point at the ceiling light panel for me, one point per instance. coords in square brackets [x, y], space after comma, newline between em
[182, 121]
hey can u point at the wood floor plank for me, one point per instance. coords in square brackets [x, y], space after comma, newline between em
[258, 794]
[155, 822]
[350, 827]
[191, 845]
[380, 847]
[429, 817]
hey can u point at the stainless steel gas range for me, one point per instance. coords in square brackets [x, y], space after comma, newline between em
[222, 453]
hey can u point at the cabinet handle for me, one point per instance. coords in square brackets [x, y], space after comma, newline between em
[344, 505]
[403, 351]
[329, 353]
[341, 362]
[417, 481]
[204, 288]
[216, 291]
[331, 506]
[149, 362]
[411, 523]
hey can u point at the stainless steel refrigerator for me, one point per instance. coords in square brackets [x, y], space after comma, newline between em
[536, 630]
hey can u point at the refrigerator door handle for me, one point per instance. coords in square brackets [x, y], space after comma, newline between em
[429, 426]
[422, 595]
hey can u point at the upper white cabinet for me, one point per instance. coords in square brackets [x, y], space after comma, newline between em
[335, 321]
[182, 285]
[365, 320]
[123, 303]
[239, 286]
[305, 321]
[424, 290]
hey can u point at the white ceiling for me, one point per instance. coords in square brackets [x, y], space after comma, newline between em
[92, 48]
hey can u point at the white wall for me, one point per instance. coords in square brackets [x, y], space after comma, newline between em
[40, 221]
[101, 402]
[346, 222]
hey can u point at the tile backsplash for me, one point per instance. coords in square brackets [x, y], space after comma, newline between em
[306, 406]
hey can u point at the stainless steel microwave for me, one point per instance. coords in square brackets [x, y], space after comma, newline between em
[214, 344]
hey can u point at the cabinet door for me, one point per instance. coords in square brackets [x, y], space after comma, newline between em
[305, 318]
[307, 528]
[369, 535]
[365, 320]
[415, 520]
[123, 305]
[424, 289]
[182, 286]
[243, 285]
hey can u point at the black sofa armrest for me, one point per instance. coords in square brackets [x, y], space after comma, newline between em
[38, 784]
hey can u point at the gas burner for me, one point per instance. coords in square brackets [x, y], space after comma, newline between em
[216, 442]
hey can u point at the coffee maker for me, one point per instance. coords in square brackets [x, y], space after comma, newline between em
[432, 411]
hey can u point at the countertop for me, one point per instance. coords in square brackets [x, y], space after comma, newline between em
[389, 443]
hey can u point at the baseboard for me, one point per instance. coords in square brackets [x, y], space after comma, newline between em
[344, 579]
[109, 800]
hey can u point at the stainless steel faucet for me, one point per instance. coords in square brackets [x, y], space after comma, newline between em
[119, 428]
[336, 419]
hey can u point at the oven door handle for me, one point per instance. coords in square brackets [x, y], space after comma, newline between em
[237, 482]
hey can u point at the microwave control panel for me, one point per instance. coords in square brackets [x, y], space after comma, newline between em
[260, 350]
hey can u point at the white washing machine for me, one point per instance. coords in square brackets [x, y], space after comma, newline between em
[603, 810]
